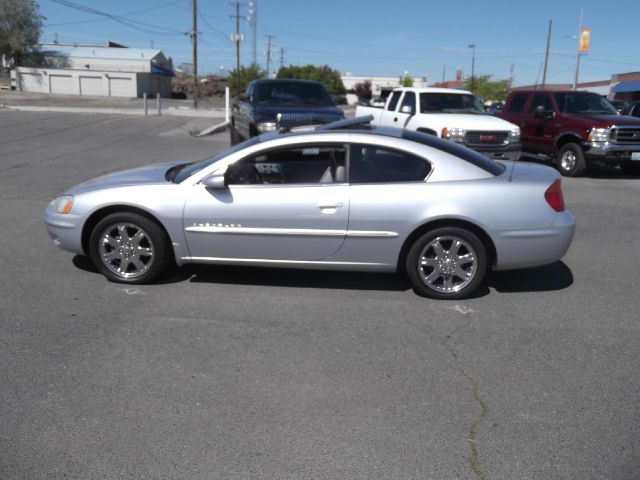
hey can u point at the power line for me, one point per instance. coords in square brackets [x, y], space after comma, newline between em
[136, 25]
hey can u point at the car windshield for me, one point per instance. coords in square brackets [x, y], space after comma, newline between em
[583, 103]
[285, 92]
[433, 102]
[181, 172]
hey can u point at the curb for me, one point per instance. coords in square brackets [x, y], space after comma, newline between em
[118, 111]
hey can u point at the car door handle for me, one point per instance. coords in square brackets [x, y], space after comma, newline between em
[395, 119]
[329, 205]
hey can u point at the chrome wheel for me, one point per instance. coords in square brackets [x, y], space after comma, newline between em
[126, 250]
[568, 161]
[447, 264]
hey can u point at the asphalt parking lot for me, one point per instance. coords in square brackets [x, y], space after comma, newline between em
[265, 373]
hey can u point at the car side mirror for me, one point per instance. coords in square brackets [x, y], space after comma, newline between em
[214, 180]
[243, 97]
[540, 112]
[406, 109]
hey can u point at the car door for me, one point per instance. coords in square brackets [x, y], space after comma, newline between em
[538, 132]
[389, 115]
[282, 204]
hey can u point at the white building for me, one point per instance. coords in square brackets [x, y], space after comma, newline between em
[380, 86]
[100, 71]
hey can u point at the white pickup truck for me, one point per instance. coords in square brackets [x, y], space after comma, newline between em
[456, 115]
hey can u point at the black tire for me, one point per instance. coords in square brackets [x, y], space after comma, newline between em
[570, 161]
[127, 247]
[234, 135]
[452, 272]
[631, 169]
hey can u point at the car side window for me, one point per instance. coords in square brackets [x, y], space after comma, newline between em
[395, 96]
[517, 103]
[307, 164]
[371, 164]
[540, 99]
[409, 100]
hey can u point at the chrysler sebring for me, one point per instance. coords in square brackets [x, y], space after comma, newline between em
[342, 196]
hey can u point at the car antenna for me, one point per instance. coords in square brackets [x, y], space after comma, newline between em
[513, 166]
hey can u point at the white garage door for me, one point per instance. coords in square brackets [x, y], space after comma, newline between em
[121, 87]
[91, 86]
[61, 84]
[31, 82]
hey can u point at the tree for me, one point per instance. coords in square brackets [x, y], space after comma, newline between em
[406, 81]
[487, 89]
[20, 27]
[325, 75]
[239, 79]
[363, 90]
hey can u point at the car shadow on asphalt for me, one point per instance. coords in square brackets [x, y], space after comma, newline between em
[284, 277]
[556, 276]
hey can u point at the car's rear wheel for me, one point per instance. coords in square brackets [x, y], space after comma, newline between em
[128, 248]
[570, 161]
[447, 263]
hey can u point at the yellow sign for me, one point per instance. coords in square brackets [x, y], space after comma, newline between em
[585, 36]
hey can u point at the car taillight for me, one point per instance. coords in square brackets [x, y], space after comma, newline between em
[554, 197]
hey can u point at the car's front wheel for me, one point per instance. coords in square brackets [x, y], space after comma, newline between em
[447, 263]
[571, 161]
[129, 248]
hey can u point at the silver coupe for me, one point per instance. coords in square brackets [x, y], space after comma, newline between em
[342, 196]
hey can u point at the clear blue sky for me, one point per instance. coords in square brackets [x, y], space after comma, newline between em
[373, 37]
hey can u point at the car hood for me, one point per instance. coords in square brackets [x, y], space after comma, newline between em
[137, 176]
[270, 112]
[591, 121]
[469, 121]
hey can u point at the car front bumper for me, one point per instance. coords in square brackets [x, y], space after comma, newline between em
[609, 152]
[65, 230]
[494, 152]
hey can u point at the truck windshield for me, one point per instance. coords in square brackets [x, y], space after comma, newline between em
[432, 102]
[286, 92]
[583, 103]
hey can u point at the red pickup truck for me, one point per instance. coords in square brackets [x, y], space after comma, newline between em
[572, 129]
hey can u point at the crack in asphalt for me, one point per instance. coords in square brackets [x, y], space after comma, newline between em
[475, 391]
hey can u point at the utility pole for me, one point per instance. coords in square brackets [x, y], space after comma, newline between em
[473, 65]
[511, 77]
[575, 80]
[269, 37]
[253, 21]
[444, 73]
[281, 57]
[194, 40]
[237, 36]
[546, 55]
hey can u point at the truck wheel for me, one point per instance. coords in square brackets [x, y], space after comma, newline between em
[570, 161]
[447, 263]
[234, 135]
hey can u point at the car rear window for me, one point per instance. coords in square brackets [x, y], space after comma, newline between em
[467, 154]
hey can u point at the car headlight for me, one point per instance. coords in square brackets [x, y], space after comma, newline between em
[514, 134]
[62, 204]
[453, 133]
[599, 134]
[266, 127]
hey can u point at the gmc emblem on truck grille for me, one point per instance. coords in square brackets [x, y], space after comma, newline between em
[488, 138]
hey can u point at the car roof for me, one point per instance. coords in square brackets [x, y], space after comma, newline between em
[281, 80]
[458, 91]
[360, 125]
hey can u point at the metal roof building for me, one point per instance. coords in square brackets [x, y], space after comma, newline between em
[99, 71]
